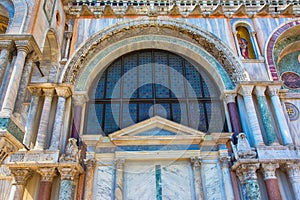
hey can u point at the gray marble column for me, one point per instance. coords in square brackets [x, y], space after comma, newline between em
[266, 115]
[197, 178]
[18, 186]
[67, 185]
[31, 119]
[6, 49]
[43, 128]
[228, 187]
[279, 114]
[14, 82]
[89, 178]
[119, 183]
[246, 92]
[62, 93]
[248, 177]
[293, 171]
[68, 35]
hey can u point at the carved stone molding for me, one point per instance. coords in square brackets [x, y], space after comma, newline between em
[247, 171]
[68, 172]
[269, 170]
[47, 173]
[21, 175]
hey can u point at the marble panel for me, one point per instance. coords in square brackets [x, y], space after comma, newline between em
[211, 181]
[103, 184]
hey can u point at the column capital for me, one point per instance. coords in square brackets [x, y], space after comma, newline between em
[229, 97]
[47, 173]
[293, 169]
[224, 161]
[79, 99]
[49, 92]
[247, 171]
[90, 163]
[273, 90]
[68, 172]
[196, 161]
[119, 164]
[269, 170]
[63, 92]
[23, 45]
[35, 91]
[21, 175]
[260, 90]
[246, 90]
[7, 44]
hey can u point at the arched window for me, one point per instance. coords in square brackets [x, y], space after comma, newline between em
[246, 42]
[146, 83]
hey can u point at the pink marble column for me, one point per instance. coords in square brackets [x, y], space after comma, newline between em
[47, 174]
[23, 47]
[270, 179]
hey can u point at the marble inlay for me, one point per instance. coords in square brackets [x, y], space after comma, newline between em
[291, 80]
[103, 183]
[211, 181]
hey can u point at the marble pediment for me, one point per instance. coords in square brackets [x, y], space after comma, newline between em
[156, 131]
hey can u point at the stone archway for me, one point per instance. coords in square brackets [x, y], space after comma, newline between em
[171, 35]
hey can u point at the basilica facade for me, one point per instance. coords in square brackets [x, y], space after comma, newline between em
[150, 99]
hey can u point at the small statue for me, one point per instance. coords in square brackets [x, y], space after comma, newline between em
[243, 147]
[72, 153]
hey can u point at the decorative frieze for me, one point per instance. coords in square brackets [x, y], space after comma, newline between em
[33, 157]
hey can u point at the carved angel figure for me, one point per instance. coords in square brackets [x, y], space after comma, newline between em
[71, 152]
[243, 147]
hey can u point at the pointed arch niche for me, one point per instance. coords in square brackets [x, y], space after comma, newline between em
[245, 41]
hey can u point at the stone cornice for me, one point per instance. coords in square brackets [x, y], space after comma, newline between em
[23, 37]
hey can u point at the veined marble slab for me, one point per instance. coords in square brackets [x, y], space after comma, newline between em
[211, 181]
[103, 183]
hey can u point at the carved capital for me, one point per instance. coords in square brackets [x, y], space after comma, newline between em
[79, 99]
[68, 173]
[260, 90]
[269, 170]
[229, 97]
[247, 172]
[196, 161]
[119, 164]
[273, 90]
[246, 90]
[90, 164]
[47, 173]
[21, 175]
[63, 92]
[36, 91]
[7, 44]
[224, 161]
[5, 148]
[48, 92]
[23, 45]
[293, 170]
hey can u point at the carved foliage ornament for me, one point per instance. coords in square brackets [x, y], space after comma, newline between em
[139, 27]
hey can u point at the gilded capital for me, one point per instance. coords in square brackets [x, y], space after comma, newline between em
[49, 92]
[21, 175]
[246, 90]
[269, 170]
[63, 92]
[47, 173]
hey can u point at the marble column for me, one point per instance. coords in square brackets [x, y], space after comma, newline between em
[246, 92]
[293, 171]
[31, 119]
[197, 178]
[14, 82]
[6, 50]
[119, 166]
[68, 35]
[266, 115]
[43, 128]
[62, 93]
[89, 178]
[67, 185]
[248, 178]
[279, 114]
[47, 175]
[79, 100]
[234, 115]
[20, 175]
[228, 187]
[270, 179]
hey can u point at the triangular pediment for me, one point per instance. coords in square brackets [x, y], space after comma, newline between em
[156, 130]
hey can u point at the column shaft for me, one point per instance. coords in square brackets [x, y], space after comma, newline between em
[66, 190]
[45, 190]
[197, 178]
[5, 54]
[227, 180]
[89, 179]
[43, 128]
[270, 179]
[14, 82]
[31, 119]
[76, 121]
[282, 123]
[119, 179]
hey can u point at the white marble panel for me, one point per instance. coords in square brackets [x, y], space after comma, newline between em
[211, 181]
[176, 181]
[103, 183]
[139, 181]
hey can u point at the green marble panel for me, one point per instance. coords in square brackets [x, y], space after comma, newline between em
[10, 126]
[253, 192]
